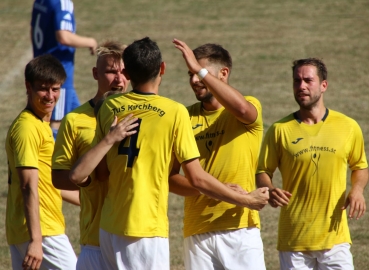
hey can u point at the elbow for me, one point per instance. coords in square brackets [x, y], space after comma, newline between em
[74, 178]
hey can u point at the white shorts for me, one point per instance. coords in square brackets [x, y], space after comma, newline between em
[122, 252]
[232, 249]
[58, 253]
[90, 258]
[339, 257]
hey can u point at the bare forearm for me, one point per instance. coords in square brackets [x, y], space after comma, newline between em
[263, 180]
[178, 184]
[359, 179]
[71, 196]
[70, 39]
[31, 212]
[61, 180]
[89, 161]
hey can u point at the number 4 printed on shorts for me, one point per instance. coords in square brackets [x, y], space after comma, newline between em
[131, 151]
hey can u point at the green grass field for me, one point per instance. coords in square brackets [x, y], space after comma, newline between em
[262, 36]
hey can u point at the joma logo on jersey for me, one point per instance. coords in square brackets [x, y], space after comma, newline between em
[197, 125]
[297, 140]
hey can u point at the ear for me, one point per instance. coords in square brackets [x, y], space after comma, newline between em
[162, 68]
[323, 86]
[28, 87]
[94, 73]
[223, 74]
[124, 71]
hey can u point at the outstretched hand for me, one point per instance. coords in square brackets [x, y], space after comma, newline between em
[191, 62]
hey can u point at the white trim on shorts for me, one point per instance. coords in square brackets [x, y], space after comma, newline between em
[339, 257]
[231, 249]
[123, 252]
[58, 253]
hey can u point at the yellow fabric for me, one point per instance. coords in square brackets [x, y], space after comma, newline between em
[137, 200]
[313, 163]
[229, 151]
[30, 143]
[75, 137]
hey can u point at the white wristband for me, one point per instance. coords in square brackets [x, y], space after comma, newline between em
[202, 73]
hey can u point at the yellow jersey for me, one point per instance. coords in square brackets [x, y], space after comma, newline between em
[137, 200]
[313, 162]
[75, 136]
[30, 143]
[229, 151]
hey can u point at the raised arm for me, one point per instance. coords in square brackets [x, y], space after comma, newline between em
[278, 197]
[89, 161]
[29, 187]
[211, 187]
[355, 198]
[228, 96]
[68, 38]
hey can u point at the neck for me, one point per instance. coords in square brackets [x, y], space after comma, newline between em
[212, 105]
[312, 116]
[151, 87]
[43, 116]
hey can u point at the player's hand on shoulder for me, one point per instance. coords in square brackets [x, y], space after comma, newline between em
[123, 129]
[279, 197]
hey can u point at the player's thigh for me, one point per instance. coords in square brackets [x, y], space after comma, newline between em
[337, 258]
[199, 252]
[134, 253]
[58, 253]
[17, 253]
[296, 260]
[241, 249]
[90, 258]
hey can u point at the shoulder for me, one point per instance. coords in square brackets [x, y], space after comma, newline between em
[194, 108]
[338, 118]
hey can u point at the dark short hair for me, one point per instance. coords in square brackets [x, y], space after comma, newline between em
[214, 53]
[318, 63]
[45, 68]
[142, 60]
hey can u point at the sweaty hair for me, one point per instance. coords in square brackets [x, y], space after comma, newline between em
[45, 68]
[215, 54]
[142, 60]
[110, 47]
[318, 63]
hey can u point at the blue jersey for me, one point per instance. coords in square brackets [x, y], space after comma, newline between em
[49, 16]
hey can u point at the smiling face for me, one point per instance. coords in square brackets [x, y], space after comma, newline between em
[307, 87]
[202, 93]
[42, 98]
[109, 76]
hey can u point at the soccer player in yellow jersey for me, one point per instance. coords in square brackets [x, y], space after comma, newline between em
[228, 129]
[134, 225]
[34, 221]
[312, 148]
[74, 138]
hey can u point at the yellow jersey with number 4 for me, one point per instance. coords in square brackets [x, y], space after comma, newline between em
[137, 200]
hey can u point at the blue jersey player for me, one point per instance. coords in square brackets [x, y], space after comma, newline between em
[53, 31]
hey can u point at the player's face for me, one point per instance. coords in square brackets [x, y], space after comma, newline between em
[42, 97]
[202, 93]
[109, 76]
[307, 87]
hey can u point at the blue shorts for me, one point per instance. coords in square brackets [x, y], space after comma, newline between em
[67, 102]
